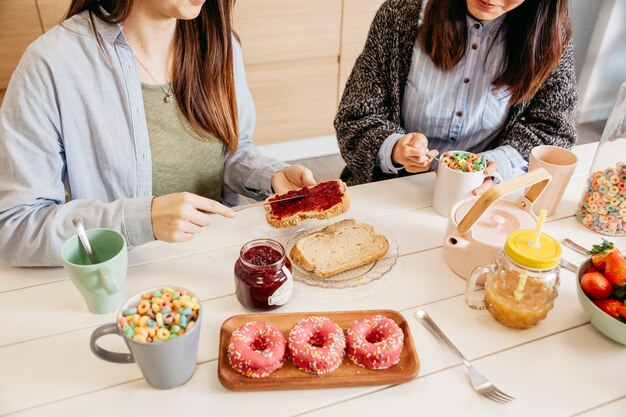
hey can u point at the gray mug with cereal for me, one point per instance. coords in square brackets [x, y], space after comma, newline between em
[161, 327]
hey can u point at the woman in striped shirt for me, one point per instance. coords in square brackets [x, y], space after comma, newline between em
[494, 77]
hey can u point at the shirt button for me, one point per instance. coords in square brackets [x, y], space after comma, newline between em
[452, 138]
[476, 25]
[459, 113]
[466, 80]
[474, 46]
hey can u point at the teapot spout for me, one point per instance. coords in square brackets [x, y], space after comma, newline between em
[458, 242]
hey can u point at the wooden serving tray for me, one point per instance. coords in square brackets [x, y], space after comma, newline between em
[289, 377]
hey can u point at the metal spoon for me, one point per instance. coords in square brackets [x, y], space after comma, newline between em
[82, 236]
[575, 246]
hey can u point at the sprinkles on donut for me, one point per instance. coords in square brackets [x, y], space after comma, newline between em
[316, 345]
[256, 349]
[375, 342]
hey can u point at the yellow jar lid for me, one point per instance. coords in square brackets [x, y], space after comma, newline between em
[519, 248]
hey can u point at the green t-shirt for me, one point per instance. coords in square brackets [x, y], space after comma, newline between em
[181, 159]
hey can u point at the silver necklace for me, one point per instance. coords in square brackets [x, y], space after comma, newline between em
[168, 93]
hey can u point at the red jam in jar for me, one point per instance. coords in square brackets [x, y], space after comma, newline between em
[263, 279]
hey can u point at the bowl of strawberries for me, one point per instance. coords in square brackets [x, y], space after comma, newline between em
[601, 288]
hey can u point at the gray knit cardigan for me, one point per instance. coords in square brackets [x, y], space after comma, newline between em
[370, 107]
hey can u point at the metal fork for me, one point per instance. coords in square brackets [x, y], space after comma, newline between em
[480, 383]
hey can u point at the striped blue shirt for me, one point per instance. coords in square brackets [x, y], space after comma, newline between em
[460, 109]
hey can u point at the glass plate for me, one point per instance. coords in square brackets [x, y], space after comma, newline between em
[353, 277]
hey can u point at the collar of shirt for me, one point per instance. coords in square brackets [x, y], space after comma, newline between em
[490, 27]
[109, 32]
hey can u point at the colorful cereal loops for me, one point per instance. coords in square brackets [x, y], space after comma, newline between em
[160, 316]
[463, 161]
[603, 205]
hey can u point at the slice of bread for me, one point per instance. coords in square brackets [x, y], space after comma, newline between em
[339, 247]
[322, 201]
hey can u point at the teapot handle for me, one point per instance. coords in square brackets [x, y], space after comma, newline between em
[470, 294]
[538, 178]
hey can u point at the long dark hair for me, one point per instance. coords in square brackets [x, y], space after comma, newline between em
[535, 35]
[203, 78]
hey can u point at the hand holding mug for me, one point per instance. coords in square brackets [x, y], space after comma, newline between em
[458, 182]
[411, 151]
[491, 172]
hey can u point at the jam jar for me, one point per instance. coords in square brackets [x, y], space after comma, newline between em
[263, 279]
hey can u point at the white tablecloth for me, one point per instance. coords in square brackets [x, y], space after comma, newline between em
[562, 366]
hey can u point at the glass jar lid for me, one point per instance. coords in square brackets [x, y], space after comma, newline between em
[520, 248]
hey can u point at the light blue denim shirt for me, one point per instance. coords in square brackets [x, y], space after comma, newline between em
[73, 117]
[459, 109]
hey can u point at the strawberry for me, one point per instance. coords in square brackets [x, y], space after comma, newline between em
[599, 253]
[610, 307]
[595, 285]
[591, 269]
[615, 270]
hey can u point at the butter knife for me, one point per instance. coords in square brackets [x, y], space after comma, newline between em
[264, 202]
[568, 265]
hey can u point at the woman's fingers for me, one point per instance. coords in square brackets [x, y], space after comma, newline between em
[177, 217]
[491, 168]
[487, 184]
[210, 206]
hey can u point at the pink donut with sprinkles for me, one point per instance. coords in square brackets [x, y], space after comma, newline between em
[256, 349]
[375, 342]
[316, 345]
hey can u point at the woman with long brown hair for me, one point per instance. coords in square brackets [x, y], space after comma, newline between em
[488, 76]
[135, 116]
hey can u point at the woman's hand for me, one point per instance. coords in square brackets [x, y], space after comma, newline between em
[292, 177]
[177, 217]
[490, 169]
[411, 151]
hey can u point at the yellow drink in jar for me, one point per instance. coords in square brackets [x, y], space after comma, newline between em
[533, 305]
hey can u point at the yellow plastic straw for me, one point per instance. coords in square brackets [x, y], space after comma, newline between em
[539, 228]
[521, 283]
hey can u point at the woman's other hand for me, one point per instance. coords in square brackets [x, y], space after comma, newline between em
[411, 151]
[292, 177]
[177, 217]
[490, 169]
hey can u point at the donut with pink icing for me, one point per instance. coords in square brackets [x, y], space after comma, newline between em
[256, 349]
[375, 342]
[316, 345]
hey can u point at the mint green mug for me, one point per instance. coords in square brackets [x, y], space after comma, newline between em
[102, 283]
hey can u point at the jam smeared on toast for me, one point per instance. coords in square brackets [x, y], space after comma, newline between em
[321, 197]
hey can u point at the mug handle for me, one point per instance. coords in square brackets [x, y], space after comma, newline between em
[470, 295]
[107, 355]
[108, 280]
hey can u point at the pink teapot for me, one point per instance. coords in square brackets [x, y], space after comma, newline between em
[477, 228]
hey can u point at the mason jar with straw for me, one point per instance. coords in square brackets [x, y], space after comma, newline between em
[520, 288]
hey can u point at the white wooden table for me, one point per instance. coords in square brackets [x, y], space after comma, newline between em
[562, 366]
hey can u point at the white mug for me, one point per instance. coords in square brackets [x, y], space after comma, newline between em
[452, 186]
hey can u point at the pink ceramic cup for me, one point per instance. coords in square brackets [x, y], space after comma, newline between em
[560, 163]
